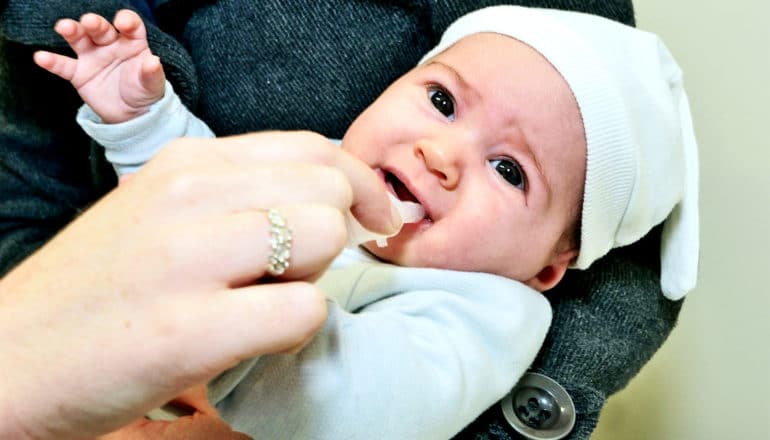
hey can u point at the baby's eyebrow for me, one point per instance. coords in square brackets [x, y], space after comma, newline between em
[464, 85]
[467, 88]
[539, 168]
[524, 144]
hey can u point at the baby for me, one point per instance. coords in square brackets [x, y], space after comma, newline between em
[534, 140]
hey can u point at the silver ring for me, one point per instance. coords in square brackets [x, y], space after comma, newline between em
[280, 243]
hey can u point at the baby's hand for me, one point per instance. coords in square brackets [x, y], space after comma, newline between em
[115, 73]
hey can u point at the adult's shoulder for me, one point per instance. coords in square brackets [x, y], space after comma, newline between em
[444, 12]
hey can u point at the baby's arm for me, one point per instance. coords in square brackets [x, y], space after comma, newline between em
[416, 364]
[114, 72]
[130, 109]
[129, 145]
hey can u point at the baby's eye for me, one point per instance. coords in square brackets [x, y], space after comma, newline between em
[511, 172]
[443, 102]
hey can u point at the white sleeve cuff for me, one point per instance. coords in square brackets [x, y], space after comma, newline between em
[130, 144]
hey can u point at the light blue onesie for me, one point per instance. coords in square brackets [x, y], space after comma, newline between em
[406, 353]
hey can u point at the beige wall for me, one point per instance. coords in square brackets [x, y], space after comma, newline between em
[711, 380]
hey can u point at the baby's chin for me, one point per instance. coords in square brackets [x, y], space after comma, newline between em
[405, 251]
[399, 251]
[414, 246]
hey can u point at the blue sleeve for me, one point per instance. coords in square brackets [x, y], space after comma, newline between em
[416, 364]
[129, 145]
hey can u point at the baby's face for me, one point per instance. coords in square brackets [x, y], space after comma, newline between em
[488, 138]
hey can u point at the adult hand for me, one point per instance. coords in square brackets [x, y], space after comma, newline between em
[155, 288]
[202, 423]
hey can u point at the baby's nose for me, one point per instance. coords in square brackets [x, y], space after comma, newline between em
[442, 159]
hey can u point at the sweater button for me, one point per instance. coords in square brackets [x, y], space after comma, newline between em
[539, 408]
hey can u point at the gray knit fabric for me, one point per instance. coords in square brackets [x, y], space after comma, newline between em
[608, 322]
[301, 64]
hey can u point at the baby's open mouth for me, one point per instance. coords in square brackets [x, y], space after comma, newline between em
[399, 189]
[410, 207]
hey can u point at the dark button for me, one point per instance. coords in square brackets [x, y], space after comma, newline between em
[539, 408]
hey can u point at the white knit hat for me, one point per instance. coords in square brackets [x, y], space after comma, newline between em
[642, 159]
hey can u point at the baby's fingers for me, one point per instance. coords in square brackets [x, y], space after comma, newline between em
[130, 24]
[152, 78]
[98, 29]
[74, 34]
[57, 64]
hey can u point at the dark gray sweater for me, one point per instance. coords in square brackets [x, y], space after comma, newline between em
[300, 64]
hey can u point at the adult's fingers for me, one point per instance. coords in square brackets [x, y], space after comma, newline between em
[233, 249]
[198, 426]
[370, 201]
[202, 189]
[194, 399]
[253, 320]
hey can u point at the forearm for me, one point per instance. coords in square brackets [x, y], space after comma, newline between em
[51, 388]
[87, 347]
[9, 423]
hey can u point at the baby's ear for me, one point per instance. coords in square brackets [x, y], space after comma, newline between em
[550, 275]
